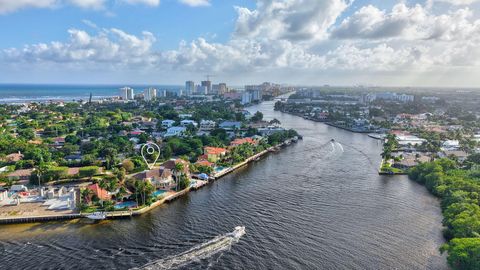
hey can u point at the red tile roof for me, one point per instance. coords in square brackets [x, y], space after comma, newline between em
[237, 142]
[204, 163]
[102, 194]
[214, 150]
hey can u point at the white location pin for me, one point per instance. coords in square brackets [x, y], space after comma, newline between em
[150, 150]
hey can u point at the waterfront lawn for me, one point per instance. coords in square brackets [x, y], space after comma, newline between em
[388, 169]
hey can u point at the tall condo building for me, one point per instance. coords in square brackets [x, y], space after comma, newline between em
[150, 94]
[222, 88]
[126, 93]
[208, 85]
[189, 88]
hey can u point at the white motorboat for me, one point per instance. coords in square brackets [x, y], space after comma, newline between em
[97, 216]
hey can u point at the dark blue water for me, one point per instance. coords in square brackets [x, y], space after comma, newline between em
[18, 93]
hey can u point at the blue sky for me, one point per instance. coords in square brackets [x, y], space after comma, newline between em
[372, 42]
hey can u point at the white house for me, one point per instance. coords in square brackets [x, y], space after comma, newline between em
[450, 145]
[207, 125]
[167, 123]
[175, 131]
[186, 123]
[409, 139]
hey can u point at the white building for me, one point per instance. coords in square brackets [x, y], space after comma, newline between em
[186, 123]
[127, 93]
[175, 131]
[246, 98]
[150, 94]
[409, 139]
[189, 88]
[450, 145]
[207, 125]
[167, 123]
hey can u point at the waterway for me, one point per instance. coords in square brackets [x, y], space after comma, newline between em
[313, 205]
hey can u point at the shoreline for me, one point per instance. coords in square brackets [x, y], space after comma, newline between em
[330, 124]
[139, 212]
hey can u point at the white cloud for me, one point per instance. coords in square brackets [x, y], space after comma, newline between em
[300, 38]
[89, 4]
[195, 3]
[407, 23]
[7, 6]
[298, 20]
[152, 3]
[458, 2]
[112, 46]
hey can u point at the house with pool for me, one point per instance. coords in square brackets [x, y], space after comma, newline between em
[161, 178]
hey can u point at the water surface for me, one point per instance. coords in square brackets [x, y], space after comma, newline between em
[309, 206]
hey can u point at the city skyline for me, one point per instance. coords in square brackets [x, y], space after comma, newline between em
[336, 42]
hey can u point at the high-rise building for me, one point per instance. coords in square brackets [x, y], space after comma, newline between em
[202, 90]
[189, 88]
[222, 88]
[208, 85]
[246, 97]
[256, 91]
[126, 93]
[150, 94]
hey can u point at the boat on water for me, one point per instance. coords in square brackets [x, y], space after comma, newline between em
[239, 231]
[97, 216]
[332, 140]
[199, 252]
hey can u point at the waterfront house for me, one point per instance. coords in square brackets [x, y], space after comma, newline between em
[170, 164]
[214, 153]
[175, 131]
[160, 178]
[230, 125]
[238, 142]
[102, 194]
[270, 130]
[204, 163]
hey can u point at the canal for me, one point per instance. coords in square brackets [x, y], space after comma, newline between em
[313, 205]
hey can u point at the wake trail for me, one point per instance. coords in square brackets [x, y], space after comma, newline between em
[199, 252]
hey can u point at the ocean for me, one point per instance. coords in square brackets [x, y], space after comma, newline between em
[21, 93]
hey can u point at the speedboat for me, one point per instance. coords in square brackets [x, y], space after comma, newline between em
[97, 216]
[332, 140]
[239, 231]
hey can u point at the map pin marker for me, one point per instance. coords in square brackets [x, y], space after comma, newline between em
[150, 150]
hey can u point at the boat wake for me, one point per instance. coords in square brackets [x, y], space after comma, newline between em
[199, 252]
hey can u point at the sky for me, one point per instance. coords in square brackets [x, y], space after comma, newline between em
[301, 42]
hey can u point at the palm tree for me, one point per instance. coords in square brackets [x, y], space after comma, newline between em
[178, 170]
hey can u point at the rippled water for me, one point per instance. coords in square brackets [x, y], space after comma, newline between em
[309, 206]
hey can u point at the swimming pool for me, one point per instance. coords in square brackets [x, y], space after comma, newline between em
[159, 193]
[128, 204]
[219, 168]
